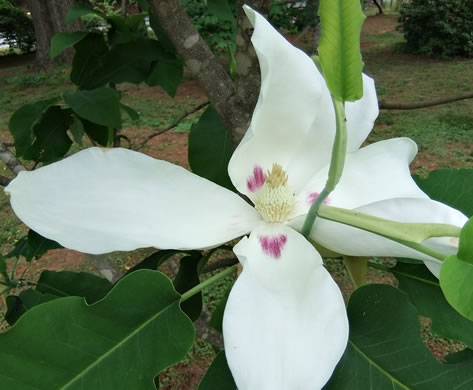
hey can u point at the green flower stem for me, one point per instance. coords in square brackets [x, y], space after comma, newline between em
[408, 234]
[337, 162]
[206, 283]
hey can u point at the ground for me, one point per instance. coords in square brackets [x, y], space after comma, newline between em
[443, 134]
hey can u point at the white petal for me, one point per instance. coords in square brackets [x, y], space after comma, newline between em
[355, 242]
[285, 325]
[376, 172]
[101, 200]
[287, 107]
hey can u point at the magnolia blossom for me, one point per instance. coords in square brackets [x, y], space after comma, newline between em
[285, 324]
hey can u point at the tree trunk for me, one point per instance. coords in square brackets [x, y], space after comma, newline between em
[48, 19]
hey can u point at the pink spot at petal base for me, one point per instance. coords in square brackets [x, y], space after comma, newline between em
[312, 196]
[273, 246]
[256, 180]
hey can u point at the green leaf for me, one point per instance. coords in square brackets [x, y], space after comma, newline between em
[210, 148]
[3, 269]
[78, 10]
[452, 186]
[425, 294]
[167, 73]
[22, 121]
[52, 141]
[163, 39]
[63, 40]
[120, 342]
[216, 320]
[90, 52]
[77, 130]
[143, 4]
[101, 106]
[134, 115]
[186, 278]
[80, 284]
[385, 350]
[458, 357]
[33, 246]
[220, 9]
[465, 245]
[127, 62]
[95, 132]
[218, 376]
[153, 261]
[19, 305]
[339, 47]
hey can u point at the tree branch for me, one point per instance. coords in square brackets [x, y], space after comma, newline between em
[203, 64]
[383, 105]
[10, 160]
[172, 126]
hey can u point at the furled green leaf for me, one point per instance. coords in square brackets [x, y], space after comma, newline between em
[51, 139]
[220, 9]
[210, 148]
[101, 106]
[77, 130]
[425, 294]
[78, 10]
[120, 342]
[153, 261]
[90, 52]
[186, 278]
[218, 376]
[339, 47]
[385, 350]
[128, 62]
[22, 121]
[19, 305]
[167, 73]
[452, 186]
[63, 40]
[456, 274]
[68, 283]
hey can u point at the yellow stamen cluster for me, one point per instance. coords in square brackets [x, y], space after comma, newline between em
[275, 201]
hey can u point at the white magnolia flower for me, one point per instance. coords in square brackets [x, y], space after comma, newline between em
[285, 324]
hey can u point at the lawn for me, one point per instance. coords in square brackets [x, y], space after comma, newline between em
[444, 135]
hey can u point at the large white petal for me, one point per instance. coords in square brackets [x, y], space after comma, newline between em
[100, 200]
[285, 326]
[287, 107]
[356, 242]
[376, 172]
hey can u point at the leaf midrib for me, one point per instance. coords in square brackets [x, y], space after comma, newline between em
[113, 349]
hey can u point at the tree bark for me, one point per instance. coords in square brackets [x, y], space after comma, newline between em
[49, 18]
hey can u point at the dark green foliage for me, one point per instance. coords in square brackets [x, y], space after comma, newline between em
[293, 16]
[16, 28]
[438, 27]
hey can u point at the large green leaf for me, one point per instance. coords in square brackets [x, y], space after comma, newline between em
[218, 376]
[167, 73]
[385, 350]
[186, 278]
[456, 274]
[101, 106]
[127, 62]
[339, 47]
[118, 343]
[425, 294]
[78, 10]
[63, 40]
[210, 148]
[220, 9]
[68, 283]
[22, 121]
[89, 55]
[51, 139]
[97, 133]
[452, 186]
[19, 305]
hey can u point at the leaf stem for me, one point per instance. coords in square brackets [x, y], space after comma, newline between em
[337, 162]
[206, 283]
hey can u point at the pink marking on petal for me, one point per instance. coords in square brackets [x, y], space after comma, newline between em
[256, 180]
[312, 196]
[273, 246]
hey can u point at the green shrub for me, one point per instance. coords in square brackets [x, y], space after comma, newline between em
[438, 27]
[294, 16]
[16, 28]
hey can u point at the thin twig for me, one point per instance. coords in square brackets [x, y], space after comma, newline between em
[223, 263]
[172, 126]
[414, 106]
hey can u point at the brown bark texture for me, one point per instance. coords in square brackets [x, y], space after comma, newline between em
[48, 19]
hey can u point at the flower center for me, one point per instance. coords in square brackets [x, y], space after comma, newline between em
[274, 200]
